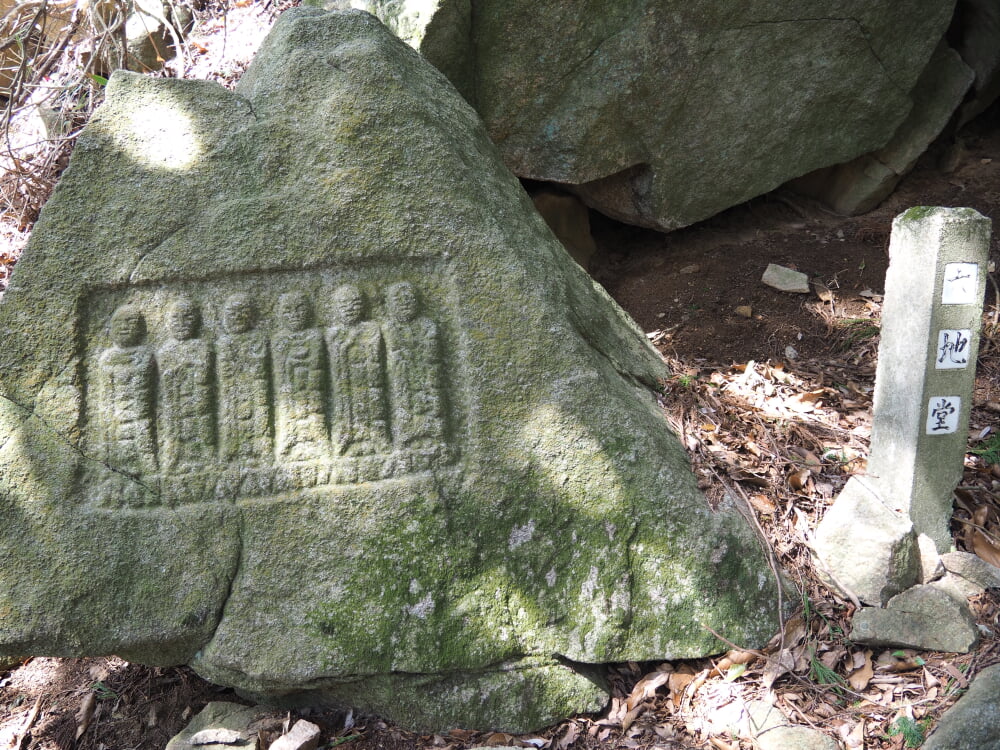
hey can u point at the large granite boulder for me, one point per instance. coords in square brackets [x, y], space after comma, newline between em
[665, 113]
[298, 388]
[861, 184]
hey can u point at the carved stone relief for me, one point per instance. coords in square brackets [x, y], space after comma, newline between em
[209, 394]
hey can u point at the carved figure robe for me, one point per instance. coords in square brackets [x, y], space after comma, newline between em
[358, 381]
[187, 428]
[126, 377]
[300, 372]
[415, 383]
[245, 398]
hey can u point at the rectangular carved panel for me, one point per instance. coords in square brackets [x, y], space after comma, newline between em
[260, 385]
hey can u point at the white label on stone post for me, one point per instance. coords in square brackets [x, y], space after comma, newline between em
[961, 284]
[942, 414]
[953, 348]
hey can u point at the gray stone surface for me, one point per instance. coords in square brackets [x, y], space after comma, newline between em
[966, 575]
[795, 738]
[973, 722]
[865, 546]
[957, 587]
[231, 723]
[632, 103]
[785, 279]
[304, 735]
[923, 617]
[858, 186]
[972, 568]
[763, 717]
[913, 464]
[931, 567]
[324, 410]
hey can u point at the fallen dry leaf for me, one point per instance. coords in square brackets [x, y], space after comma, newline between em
[804, 402]
[860, 677]
[629, 718]
[646, 688]
[677, 685]
[569, 736]
[498, 739]
[985, 549]
[930, 681]
[899, 660]
[797, 479]
[810, 459]
[777, 666]
[833, 657]
[731, 659]
[86, 714]
[763, 504]
[963, 681]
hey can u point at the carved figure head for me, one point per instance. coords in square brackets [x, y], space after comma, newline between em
[128, 326]
[294, 310]
[402, 299]
[183, 319]
[348, 304]
[239, 313]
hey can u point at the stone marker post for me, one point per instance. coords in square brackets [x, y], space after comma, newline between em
[927, 362]
[867, 542]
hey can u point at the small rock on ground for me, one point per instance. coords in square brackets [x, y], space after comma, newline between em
[795, 738]
[304, 735]
[785, 279]
[222, 722]
[923, 617]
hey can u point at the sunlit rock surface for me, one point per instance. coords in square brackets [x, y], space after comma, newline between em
[297, 387]
[662, 114]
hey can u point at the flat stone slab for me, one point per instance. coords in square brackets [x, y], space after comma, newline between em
[972, 568]
[324, 410]
[795, 738]
[923, 617]
[220, 725]
[785, 279]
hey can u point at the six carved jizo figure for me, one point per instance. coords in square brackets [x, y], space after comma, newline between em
[255, 397]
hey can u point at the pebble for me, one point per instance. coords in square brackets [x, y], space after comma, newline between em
[744, 311]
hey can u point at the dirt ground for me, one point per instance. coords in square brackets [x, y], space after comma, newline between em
[774, 405]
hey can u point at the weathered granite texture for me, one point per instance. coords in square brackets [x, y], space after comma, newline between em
[297, 387]
[864, 548]
[664, 113]
[973, 722]
[924, 617]
[861, 184]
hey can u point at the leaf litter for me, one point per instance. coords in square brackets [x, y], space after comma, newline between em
[745, 443]
[781, 436]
